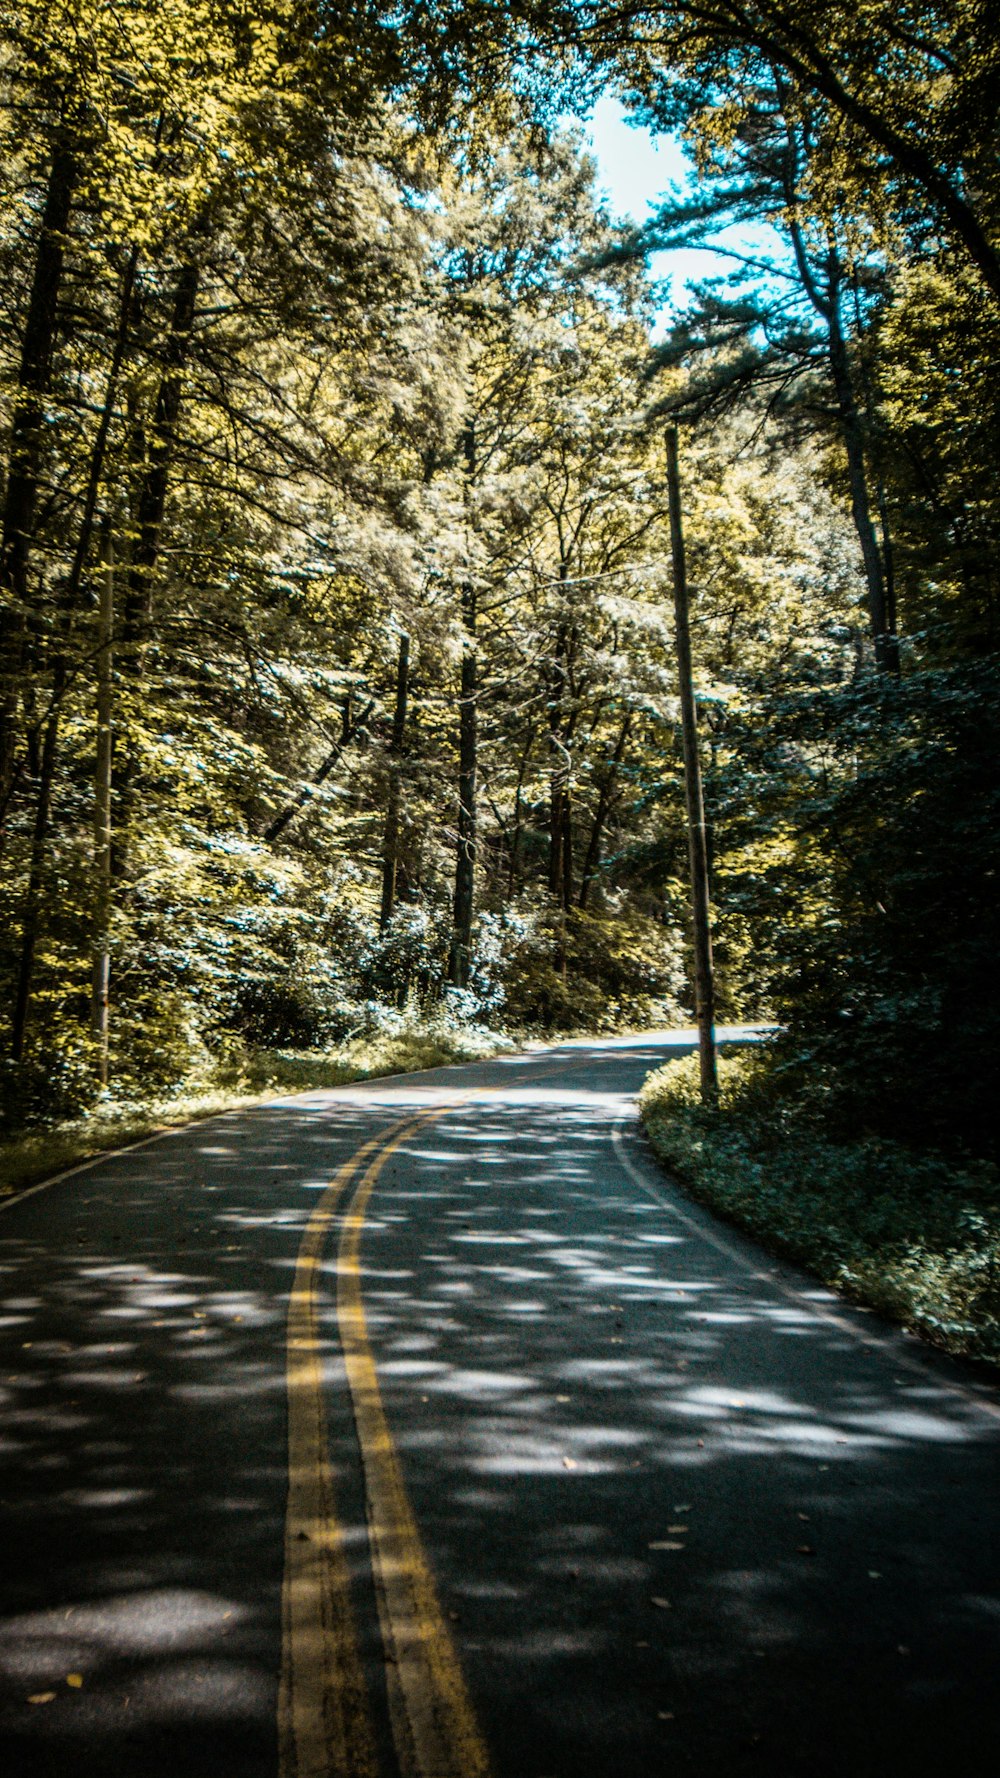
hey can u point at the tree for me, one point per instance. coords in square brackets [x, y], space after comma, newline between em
[185, 166]
[915, 93]
[797, 328]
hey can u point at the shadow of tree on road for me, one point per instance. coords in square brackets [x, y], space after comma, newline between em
[680, 1508]
[679, 1514]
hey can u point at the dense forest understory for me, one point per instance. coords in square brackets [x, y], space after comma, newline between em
[338, 693]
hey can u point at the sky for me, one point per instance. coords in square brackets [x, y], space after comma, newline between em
[635, 168]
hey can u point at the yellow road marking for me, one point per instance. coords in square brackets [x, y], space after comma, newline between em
[434, 1725]
[324, 1728]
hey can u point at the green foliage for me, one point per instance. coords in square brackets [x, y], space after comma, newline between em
[914, 1236]
[865, 862]
[407, 960]
[580, 973]
[324, 362]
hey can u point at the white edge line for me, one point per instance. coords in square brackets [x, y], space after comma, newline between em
[887, 1343]
[109, 1154]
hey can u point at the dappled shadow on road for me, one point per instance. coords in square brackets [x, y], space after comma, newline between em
[142, 1447]
[679, 1509]
[677, 1516]
[142, 1433]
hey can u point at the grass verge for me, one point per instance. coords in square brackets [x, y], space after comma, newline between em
[36, 1154]
[913, 1236]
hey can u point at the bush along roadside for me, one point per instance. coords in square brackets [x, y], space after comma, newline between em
[914, 1236]
[242, 1076]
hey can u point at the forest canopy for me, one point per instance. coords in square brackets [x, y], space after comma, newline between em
[337, 668]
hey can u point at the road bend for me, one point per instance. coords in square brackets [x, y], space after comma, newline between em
[425, 1429]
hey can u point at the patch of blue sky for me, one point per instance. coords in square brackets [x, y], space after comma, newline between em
[637, 170]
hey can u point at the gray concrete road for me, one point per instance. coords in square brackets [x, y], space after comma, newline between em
[425, 1428]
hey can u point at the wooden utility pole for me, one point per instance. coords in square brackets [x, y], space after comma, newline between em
[390, 842]
[697, 839]
[460, 960]
[460, 957]
[102, 812]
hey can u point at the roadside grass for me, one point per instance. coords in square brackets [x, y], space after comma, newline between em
[242, 1078]
[914, 1236]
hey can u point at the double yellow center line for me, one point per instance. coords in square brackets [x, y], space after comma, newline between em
[324, 1716]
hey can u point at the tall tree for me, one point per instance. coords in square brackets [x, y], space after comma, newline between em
[791, 325]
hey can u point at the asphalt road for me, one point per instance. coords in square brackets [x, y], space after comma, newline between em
[424, 1430]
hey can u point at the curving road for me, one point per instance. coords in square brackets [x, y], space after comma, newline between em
[425, 1430]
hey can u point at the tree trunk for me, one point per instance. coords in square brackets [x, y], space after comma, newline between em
[390, 841]
[876, 459]
[102, 814]
[828, 305]
[566, 844]
[351, 726]
[61, 666]
[697, 844]
[33, 898]
[26, 448]
[153, 490]
[604, 797]
[808, 64]
[515, 839]
[560, 833]
[147, 524]
[886, 649]
[889, 569]
[70, 592]
[97, 456]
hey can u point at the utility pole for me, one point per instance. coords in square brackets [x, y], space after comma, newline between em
[102, 810]
[460, 960]
[460, 957]
[390, 842]
[697, 839]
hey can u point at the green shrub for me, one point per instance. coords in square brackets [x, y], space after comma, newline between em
[587, 973]
[914, 1236]
[56, 1078]
[861, 852]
